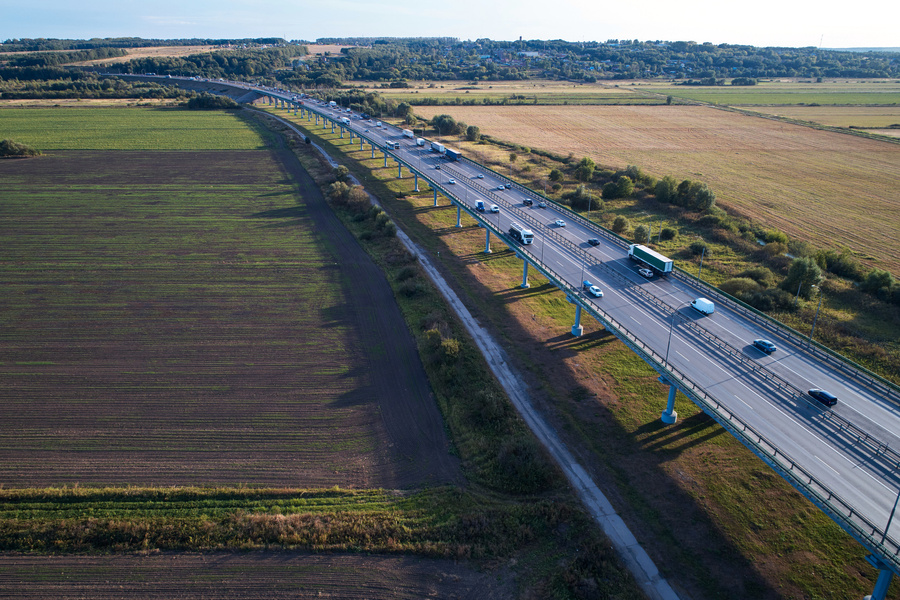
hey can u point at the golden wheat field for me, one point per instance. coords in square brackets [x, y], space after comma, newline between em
[829, 188]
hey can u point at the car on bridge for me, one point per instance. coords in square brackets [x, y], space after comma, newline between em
[765, 345]
[501, 187]
[451, 181]
[479, 176]
[527, 201]
[542, 204]
[646, 273]
[595, 291]
[826, 398]
[495, 208]
[560, 223]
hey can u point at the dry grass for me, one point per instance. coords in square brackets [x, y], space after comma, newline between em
[323, 49]
[152, 52]
[828, 188]
[839, 116]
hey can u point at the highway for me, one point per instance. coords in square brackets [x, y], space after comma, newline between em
[738, 375]
[844, 458]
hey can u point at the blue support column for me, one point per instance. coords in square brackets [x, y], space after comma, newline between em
[373, 150]
[884, 579]
[525, 283]
[360, 142]
[458, 215]
[435, 196]
[399, 171]
[385, 158]
[487, 240]
[577, 329]
[416, 180]
[669, 416]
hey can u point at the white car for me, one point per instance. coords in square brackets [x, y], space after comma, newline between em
[451, 181]
[479, 176]
[500, 187]
[560, 223]
[646, 273]
[595, 291]
[495, 208]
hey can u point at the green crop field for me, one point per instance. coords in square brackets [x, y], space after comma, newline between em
[177, 318]
[127, 129]
[851, 92]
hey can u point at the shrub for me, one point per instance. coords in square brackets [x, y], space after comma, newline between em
[697, 248]
[11, 149]
[407, 272]
[736, 286]
[760, 275]
[668, 233]
[620, 224]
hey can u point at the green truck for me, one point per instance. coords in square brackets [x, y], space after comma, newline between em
[656, 261]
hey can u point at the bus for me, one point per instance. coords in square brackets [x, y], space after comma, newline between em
[521, 234]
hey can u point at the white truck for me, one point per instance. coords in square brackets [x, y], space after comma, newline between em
[420, 142]
[656, 261]
[435, 147]
[345, 121]
[408, 133]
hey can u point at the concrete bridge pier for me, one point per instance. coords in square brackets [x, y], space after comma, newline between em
[458, 215]
[884, 579]
[399, 171]
[577, 329]
[373, 150]
[361, 143]
[669, 416]
[525, 283]
[435, 196]
[416, 180]
[385, 158]
[342, 130]
[487, 240]
[332, 129]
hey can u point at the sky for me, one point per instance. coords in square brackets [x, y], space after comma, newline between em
[795, 23]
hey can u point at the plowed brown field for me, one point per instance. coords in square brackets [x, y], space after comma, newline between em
[188, 318]
[828, 188]
[244, 576]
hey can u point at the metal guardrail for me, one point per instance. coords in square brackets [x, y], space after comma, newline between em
[839, 510]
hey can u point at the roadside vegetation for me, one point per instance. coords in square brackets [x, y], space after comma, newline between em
[679, 486]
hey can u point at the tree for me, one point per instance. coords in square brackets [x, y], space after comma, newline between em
[641, 233]
[878, 283]
[802, 275]
[703, 198]
[444, 124]
[555, 175]
[666, 189]
[473, 134]
[513, 157]
[624, 187]
[610, 191]
[585, 169]
[403, 110]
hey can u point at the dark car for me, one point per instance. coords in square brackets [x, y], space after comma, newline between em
[527, 201]
[594, 241]
[826, 398]
[765, 345]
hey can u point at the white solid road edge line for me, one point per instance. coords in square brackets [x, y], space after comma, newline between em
[635, 557]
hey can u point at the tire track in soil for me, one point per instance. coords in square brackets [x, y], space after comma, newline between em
[397, 378]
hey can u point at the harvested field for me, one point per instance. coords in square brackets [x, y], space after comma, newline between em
[828, 188]
[839, 116]
[245, 576]
[151, 52]
[184, 318]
